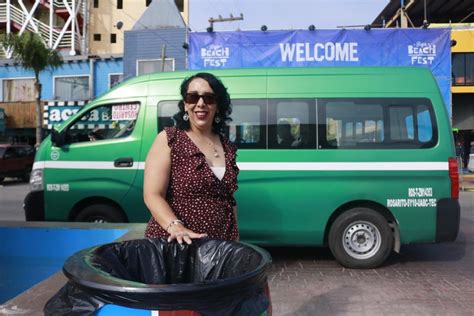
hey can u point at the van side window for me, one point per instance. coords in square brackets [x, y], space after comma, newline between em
[425, 125]
[248, 126]
[401, 123]
[375, 123]
[111, 121]
[166, 111]
[292, 124]
[346, 124]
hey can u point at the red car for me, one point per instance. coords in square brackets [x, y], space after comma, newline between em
[16, 161]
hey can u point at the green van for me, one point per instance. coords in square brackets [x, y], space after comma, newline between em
[368, 163]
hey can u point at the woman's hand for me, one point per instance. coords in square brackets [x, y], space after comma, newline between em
[181, 233]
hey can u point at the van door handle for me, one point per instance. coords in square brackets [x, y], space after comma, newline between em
[123, 162]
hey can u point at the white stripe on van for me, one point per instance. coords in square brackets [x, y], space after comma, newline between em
[103, 165]
[267, 166]
[343, 166]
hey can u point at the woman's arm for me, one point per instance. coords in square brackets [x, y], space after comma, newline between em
[155, 186]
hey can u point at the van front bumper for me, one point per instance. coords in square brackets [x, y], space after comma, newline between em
[448, 213]
[34, 206]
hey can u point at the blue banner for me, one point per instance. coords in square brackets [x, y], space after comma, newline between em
[321, 48]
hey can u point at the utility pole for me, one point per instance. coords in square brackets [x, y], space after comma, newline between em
[221, 19]
[163, 57]
[403, 17]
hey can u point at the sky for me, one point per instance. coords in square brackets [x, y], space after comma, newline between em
[283, 14]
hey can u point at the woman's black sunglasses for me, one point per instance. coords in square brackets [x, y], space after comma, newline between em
[193, 98]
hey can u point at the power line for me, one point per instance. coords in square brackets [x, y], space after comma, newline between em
[235, 2]
[214, 7]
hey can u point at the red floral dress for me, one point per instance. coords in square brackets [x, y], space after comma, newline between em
[198, 198]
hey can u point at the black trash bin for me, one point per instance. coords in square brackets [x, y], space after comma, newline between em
[208, 277]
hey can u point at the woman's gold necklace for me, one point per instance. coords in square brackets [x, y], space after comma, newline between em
[211, 145]
[216, 153]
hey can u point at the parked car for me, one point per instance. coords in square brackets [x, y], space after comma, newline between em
[16, 161]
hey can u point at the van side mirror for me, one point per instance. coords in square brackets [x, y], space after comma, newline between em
[57, 138]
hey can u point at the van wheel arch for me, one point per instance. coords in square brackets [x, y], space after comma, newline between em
[111, 206]
[370, 205]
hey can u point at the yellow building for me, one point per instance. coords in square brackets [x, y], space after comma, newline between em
[463, 58]
[462, 52]
[457, 15]
[109, 19]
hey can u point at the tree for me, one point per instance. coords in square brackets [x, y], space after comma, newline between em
[32, 54]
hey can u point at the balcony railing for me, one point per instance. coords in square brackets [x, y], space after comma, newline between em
[52, 37]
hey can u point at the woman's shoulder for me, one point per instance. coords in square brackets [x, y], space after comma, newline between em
[169, 130]
[171, 133]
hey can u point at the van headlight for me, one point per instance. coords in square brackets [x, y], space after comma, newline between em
[36, 180]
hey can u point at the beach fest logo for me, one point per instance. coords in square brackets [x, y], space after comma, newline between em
[422, 53]
[215, 56]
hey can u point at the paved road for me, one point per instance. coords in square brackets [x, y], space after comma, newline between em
[430, 279]
[12, 194]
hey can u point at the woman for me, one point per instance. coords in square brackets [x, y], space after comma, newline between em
[191, 172]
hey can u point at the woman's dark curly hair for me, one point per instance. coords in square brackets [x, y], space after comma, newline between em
[224, 108]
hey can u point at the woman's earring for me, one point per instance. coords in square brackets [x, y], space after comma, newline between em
[217, 119]
[185, 116]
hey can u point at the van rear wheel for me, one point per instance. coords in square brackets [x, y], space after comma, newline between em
[361, 238]
[100, 213]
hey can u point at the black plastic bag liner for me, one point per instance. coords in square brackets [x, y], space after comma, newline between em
[211, 277]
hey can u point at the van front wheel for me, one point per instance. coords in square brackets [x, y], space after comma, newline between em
[361, 238]
[100, 213]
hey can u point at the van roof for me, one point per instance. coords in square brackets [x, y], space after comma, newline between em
[292, 71]
[327, 81]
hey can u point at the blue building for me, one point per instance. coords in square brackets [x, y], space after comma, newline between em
[78, 79]
[159, 32]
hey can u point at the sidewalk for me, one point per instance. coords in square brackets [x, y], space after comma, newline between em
[466, 182]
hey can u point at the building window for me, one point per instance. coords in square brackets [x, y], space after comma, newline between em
[154, 65]
[97, 37]
[119, 4]
[113, 38]
[115, 79]
[463, 69]
[18, 90]
[96, 3]
[71, 88]
[148, 2]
